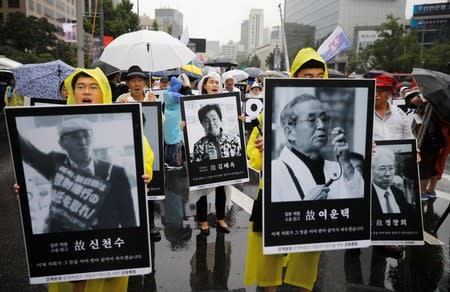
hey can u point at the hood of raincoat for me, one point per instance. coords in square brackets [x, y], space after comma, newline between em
[172, 95]
[214, 75]
[98, 75]
[303, 56]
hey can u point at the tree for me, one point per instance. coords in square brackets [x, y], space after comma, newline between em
[170, 29]
[270, 62]
[116, 21]
[155, 25]
[437, 57]
[397, 51]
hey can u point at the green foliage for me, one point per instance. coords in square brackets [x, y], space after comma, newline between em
[397, 51]
[155, 25]
[437, 57]
[270, 62]
[33, 40]
[254, 61]
[170, 29]
[121, 19]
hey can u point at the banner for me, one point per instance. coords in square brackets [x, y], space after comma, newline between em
[335, 44]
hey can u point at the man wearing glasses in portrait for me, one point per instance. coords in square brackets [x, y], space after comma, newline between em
[305, 122]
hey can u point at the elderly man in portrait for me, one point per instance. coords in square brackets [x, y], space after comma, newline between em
[86, 193]
[300, 173]
[387, 199]
[215, 144]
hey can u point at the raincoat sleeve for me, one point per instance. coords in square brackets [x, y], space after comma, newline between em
[148, 158]
[253, 153]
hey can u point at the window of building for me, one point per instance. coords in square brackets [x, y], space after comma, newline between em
[14, 3]
[31, 5]
[39, 8]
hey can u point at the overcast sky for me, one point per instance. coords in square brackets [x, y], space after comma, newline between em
[221, 19]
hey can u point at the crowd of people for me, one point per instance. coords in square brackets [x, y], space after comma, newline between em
[391, 122]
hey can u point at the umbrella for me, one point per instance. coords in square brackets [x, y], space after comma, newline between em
[271, 74]
[6, 75]
[435, 87]
[333, 73]
[6, 63]
[236, 74]
[220, 61]
[106, 68]
[253, 72]
[150, 50]
[193, 69]
[41, 80]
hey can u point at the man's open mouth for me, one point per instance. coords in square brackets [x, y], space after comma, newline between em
[87, 100]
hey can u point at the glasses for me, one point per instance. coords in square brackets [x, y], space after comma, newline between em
[385, 169]
[312, 120]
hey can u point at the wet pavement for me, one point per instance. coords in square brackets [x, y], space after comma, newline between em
[185, 261]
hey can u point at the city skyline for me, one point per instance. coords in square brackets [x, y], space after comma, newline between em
[198, 16]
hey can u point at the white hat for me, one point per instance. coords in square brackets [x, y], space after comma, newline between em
[74, 125]
[212, 74]
[256, 84]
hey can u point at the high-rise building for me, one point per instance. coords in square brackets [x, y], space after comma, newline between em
[56, 12]
[168, 17]
[325, 15]
[230, 50]
[244, 35]
[212, 48]
[255, 29]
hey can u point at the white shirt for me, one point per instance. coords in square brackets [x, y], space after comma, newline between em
[283, 188]
[381, 198]
[394, 125]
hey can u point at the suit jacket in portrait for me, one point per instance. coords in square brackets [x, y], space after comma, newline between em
[399, 196]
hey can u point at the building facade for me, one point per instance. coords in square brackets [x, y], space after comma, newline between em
[168, 17]
[56, 12]
[230, 50]
[255, 29]
[325, 15]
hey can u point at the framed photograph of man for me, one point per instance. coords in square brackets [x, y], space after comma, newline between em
[152, 125]
[214, 140]
[46, 102]
[82, 197]
[316, 196]
[396, 205]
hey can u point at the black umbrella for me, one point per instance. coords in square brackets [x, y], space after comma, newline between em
[253, 72]
[106, 68]
[333, 73]
[435, 87]
[220, 61]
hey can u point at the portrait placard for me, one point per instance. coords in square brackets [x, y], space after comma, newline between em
[46, 102]
[152, 124]
[82, 198]
[317, 157]
[396, 204]
[214, 140]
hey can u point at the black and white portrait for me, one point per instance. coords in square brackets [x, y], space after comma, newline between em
[392, 185]
[152, 126]
[317, 156]
[214, 128]
[314, 133]
[77, 177]
[396, 206]
[214, 140]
